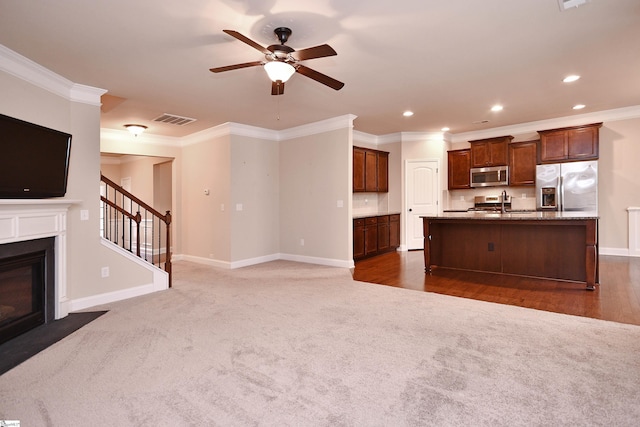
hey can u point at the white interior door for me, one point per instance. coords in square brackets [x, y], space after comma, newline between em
[421, 196]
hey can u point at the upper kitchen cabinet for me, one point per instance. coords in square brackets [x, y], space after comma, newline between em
[568, 144]
[370, 170]
[489, 152]
[522, 163]
[458, 166]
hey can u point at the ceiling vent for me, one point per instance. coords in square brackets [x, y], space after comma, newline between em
[172, 119]
[568, 4]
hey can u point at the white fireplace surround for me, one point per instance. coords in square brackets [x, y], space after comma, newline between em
[29, 219]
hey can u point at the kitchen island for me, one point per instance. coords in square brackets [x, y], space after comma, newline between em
[552, 245]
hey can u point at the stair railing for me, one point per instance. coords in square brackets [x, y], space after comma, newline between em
[135, 226]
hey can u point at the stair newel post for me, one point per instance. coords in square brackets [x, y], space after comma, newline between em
[138, 220]
[167, 264]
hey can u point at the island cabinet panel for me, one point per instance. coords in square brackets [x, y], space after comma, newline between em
[553, 251]
[489, 152]
[522, 163]
[458, 167]
[561, 249]
[466, 246]
[569, 144]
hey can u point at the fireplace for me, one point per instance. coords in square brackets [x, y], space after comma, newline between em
[33, 263]
[27, 286]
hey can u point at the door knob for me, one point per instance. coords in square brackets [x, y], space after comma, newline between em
[410, 210]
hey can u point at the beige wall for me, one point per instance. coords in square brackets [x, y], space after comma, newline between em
[85, 255]
[315, 173]
[618, 180]
[255, 230]
[206, 219]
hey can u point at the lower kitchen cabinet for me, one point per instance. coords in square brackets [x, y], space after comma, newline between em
[375, 235]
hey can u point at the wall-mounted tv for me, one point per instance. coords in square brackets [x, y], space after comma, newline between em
[34, 160]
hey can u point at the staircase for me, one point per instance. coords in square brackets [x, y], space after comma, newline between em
[135, 226]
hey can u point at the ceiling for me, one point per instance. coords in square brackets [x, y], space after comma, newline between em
[447, 61]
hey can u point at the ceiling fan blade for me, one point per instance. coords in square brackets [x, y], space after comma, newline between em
[235, 67]
[314, 52]
[248, 41]
[319, 77]
[277, 87]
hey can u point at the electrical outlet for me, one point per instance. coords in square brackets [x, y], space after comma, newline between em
[84, 215]
[105, 272]
[301, 242]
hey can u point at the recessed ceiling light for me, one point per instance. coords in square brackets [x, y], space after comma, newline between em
[571, 78]
[579, 106]
[496, 108]
[445, 129]
[408, 113]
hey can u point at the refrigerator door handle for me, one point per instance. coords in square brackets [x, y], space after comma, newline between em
[561, 201]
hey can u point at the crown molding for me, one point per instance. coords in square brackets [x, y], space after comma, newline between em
[559, 122]
[25, 69]
[340, 122]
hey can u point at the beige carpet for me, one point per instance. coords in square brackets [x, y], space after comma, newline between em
[289, 344]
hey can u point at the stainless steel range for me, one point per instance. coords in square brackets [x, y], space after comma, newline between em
[491, 203]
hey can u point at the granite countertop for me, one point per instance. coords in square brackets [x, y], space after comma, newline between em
[516, 215]
[370, 215]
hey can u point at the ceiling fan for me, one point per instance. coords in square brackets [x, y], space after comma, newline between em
[281, 61]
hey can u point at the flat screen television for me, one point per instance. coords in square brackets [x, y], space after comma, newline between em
[34, 160]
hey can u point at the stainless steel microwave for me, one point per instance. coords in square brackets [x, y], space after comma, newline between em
[490, 176]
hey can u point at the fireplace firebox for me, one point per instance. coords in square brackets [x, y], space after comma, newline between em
[27, 286]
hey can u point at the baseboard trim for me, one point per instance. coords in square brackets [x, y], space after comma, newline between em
[266, 258]
[109, 297]
[617, 252]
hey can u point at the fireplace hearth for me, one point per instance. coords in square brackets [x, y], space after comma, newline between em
[27, 286]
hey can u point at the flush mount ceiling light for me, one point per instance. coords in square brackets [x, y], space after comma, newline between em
[579, 106]
[408, 113]
[445, 129]
[135, 129]
[496, 108]
[571, 78]
[278, 70]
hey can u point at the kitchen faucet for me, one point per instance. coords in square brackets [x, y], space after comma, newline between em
[504, 198]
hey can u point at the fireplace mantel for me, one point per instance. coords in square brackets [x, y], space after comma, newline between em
[29, 219]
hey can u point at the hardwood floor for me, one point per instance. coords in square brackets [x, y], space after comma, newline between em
[617, 298]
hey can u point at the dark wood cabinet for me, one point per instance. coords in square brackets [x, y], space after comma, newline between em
[569, 144]
[370, 236]
[382, 175]
[489, 152]
[370, 170]
[458, 165]
[375, 235]
[358, 238]
[522, 163]
[359, 169]
[394, 231]
[383, 233]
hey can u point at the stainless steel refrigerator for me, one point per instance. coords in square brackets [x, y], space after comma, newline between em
[569, 186]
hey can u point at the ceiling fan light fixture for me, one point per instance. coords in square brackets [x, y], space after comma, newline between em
[278, 70]
[135, 129]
